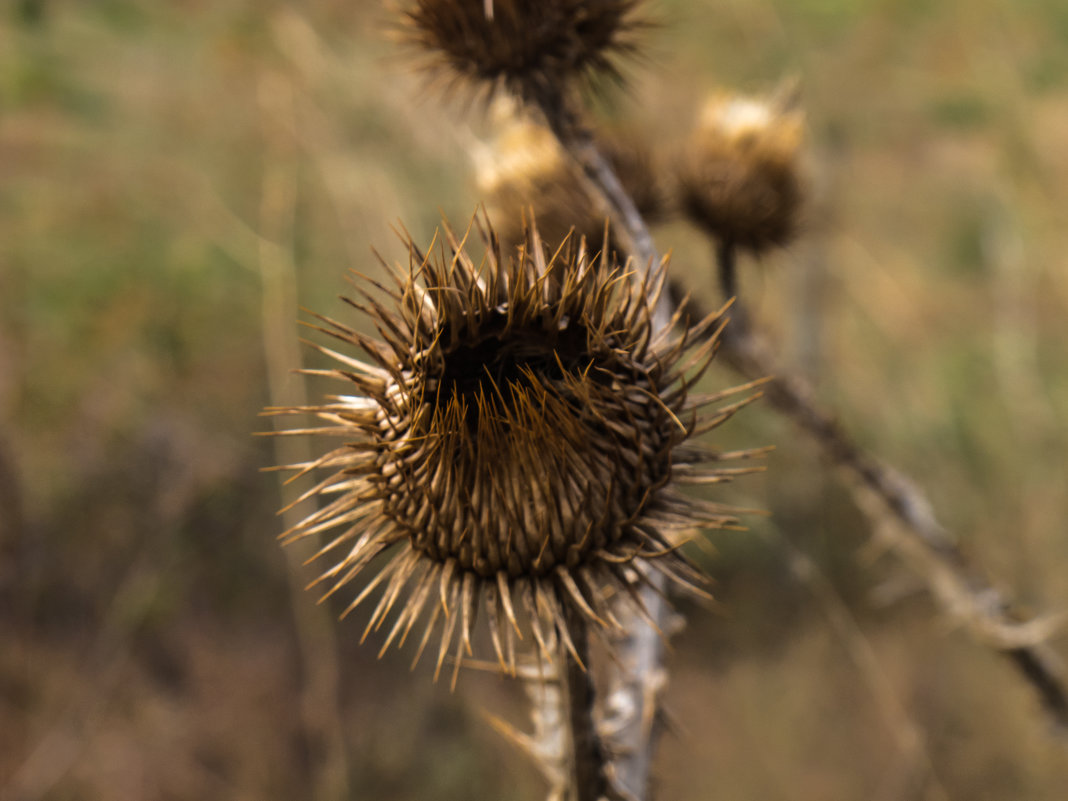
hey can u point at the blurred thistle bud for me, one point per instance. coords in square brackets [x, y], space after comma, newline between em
[739, 178]
[525, 169]
[513, 446]
[532, 48]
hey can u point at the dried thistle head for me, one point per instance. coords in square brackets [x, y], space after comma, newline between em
[532, 48]
[525, 168]
[514, 442]
[739, 178]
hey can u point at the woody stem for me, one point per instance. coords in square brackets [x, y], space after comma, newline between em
[640, 649]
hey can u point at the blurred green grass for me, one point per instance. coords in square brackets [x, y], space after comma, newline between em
[152, 651]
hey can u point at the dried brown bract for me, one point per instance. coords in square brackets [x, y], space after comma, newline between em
[533, 48]
[525, 168]
[739, 178]
[513, 446]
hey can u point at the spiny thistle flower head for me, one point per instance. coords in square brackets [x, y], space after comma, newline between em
[532, 48]
[513, 444]
[739, 178]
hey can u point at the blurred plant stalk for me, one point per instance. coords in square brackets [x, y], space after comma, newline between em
[317, 639]
[902, 520]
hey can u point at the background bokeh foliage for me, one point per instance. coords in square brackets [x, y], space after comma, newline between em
[150, 649]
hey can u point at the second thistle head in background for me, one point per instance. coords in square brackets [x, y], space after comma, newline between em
[739, 178]
[523, 169]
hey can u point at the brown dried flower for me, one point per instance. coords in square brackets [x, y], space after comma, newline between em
[513, 446]
[740, 177]
[533, 48]
[525, 168]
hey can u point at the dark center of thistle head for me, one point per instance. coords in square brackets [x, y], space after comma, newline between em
[493, 365]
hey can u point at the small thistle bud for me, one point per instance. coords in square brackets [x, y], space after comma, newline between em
[739, 178]
[533, 48]
[525, 169]
[513, 444]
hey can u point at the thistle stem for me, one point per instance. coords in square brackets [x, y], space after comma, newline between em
[727, 264]
[605, 189]
[640, 649]
[726, 260]
[634, 697]
[587, 756]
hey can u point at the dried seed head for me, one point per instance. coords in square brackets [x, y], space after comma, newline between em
[526, 169]
[514, 441]
[532, 48]
[739, 178]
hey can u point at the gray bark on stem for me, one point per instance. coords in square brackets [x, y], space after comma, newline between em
[633, 696]
[587, 757]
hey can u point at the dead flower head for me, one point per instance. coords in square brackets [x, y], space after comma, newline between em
[530, 47]
[739, 178]
[515, 439]
[524, 167]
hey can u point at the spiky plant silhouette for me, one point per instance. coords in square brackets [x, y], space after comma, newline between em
[528, 48]
[515, 445]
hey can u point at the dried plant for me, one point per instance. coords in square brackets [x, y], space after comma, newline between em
[739, 178]
[525, 168]
[530, 48]
[515, 445]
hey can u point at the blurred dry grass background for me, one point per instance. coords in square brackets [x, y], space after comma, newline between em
[150, 650]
